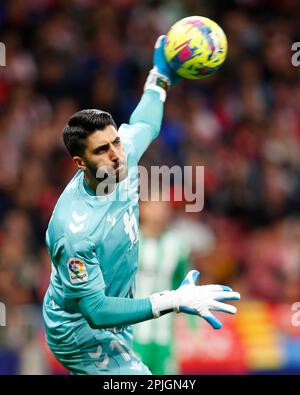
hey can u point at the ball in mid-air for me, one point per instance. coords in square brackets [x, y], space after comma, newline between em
[195, 47]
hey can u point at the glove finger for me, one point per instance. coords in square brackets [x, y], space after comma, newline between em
[159, 56]
[187, 310]
[190, 278]
[159, 60]
[226, 295]
[216, 287]
[160, 42]
[225, 308]
[211, 319]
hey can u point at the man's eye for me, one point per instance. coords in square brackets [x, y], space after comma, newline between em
[117, 142]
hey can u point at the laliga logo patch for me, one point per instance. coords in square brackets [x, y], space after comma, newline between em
[77, 271]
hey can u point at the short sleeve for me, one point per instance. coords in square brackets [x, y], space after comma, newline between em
[78, 268]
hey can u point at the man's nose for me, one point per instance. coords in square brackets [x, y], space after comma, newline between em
[114, 154]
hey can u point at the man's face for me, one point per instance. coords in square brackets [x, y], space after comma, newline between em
[104, 151]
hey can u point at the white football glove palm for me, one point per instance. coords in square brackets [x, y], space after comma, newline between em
[198, 300]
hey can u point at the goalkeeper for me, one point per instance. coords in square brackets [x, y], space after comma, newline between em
[92, 240]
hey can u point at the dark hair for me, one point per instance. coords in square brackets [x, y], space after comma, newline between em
[82, 124]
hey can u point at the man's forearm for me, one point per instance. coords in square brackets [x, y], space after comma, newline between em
[105, 312]
[149, 111]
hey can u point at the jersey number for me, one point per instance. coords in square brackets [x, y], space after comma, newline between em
[113, 345]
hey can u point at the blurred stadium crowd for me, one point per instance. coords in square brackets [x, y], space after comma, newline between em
[242, 124]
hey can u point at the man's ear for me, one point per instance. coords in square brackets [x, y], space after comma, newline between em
[79, 162]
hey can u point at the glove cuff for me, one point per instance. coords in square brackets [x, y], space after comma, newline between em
[163, 301]
[157, 82]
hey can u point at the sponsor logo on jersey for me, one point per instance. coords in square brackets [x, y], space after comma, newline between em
[77, 271]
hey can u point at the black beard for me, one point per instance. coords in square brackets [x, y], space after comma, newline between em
[106, 175]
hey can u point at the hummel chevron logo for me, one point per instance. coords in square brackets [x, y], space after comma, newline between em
[77, 219]
[104, 363]
[97, 353]
[75, 229]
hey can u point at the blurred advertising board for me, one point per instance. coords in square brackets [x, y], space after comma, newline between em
[260, 338]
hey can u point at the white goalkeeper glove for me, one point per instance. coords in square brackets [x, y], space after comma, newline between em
[198, 300]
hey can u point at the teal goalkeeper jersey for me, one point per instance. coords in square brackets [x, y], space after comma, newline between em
[93, 240]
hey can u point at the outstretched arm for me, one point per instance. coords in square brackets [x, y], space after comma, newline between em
[148, 114]
[104, 312]
[81, 277]
[145, 122]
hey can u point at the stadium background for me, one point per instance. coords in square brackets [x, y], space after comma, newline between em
[243, 125]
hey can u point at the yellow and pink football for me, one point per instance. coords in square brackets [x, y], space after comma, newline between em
[196, 47]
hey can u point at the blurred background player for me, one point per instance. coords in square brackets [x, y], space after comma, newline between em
[163, 261]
